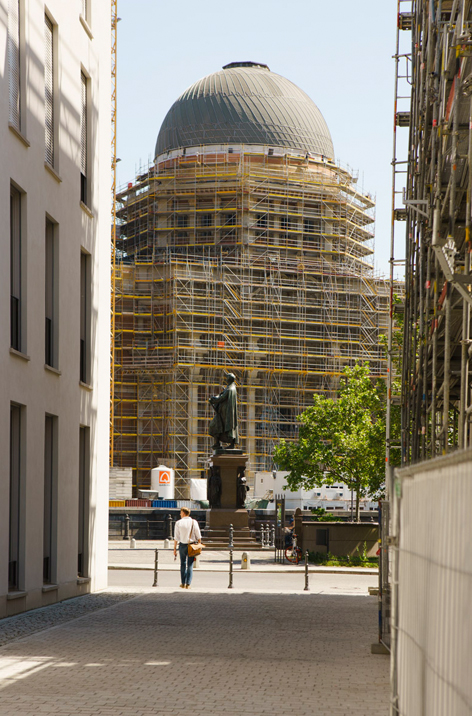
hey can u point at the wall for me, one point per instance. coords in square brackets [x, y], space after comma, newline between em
[26, 380]
[338, 538]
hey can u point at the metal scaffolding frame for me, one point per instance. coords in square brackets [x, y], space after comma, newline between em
[237, 260]
[437, 405]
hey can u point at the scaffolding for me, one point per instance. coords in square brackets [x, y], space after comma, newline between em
[254, 262]
[437, 405]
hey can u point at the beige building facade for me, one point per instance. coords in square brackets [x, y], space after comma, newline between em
[54, 307]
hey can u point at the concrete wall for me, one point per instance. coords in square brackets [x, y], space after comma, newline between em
[80, 45]
[338, 538]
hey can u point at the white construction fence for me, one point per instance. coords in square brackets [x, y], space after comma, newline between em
[431, 542]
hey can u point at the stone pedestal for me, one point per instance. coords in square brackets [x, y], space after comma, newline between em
[229, 463]
[221, 519]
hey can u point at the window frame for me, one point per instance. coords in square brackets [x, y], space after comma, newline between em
[17, 277]
[51, 293]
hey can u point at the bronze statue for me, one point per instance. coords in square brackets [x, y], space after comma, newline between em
[242, 489]
[214, 487]
[224, 425]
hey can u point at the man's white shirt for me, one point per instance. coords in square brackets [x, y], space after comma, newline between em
[186, 527]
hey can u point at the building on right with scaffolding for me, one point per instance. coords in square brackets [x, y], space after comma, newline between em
[242, 247]
[437, 400]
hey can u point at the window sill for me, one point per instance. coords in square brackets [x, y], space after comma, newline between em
[18, 134]
[51, 368]
[83, 580]
[50, 588]
[15, 595]
[86, 26]
[19, 354]
[85, 208]
[53, 172]
[87, 386]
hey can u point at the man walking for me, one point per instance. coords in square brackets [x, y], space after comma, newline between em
[186, 530]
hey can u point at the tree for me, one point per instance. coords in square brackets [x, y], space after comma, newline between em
[340, 440]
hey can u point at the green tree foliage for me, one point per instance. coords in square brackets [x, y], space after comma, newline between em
[340, 440]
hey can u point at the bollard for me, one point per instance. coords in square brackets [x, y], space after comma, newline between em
[272, 537]
[126, 535]
[166, 544]
[230, 585]
[156, 567]
[262, 535]
[307, 588]
[132, 543]
[196, 562]
[245, 561]
[266, 540]
[231, 533]
[169, 526]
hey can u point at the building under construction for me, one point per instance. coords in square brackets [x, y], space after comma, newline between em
[437, 401]
[242, 247]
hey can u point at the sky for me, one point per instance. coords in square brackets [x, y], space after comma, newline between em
[339, 53]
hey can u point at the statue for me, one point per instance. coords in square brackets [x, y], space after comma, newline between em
[242, 489]
[224, 425]
[214, 487]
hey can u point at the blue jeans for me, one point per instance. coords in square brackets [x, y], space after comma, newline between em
[186, 564]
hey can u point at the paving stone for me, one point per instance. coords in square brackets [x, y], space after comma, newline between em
[169, 652]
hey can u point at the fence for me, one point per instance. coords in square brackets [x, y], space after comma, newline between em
[143, 528]
[432, 583]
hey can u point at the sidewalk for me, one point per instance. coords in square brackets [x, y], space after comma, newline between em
[172, 652]
[121, 556]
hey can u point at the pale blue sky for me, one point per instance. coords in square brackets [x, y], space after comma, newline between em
[339, 53]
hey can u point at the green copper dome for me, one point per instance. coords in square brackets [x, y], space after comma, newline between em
[245, 103]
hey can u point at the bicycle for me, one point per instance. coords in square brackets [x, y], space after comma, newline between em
[293, 554]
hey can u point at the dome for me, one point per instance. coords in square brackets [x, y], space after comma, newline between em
[245, 103]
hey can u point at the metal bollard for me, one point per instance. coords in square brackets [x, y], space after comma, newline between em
[231, 534]
[132, 543]
[169, 526]
[307, 588]
[156, 567]
[230, 585]
[126, 535]
[272, 537]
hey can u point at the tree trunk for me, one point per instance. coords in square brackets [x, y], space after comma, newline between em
[358, 507]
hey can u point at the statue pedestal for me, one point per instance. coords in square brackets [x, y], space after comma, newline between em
[230, 463]
[220, 519]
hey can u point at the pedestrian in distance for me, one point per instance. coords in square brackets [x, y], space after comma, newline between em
[186, 531]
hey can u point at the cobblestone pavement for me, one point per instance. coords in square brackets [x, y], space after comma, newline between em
[214, 653]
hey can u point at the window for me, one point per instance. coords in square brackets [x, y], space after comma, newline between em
[261, 221]
[207, 220]
[15, 269]
[83, 139]
[85, 317]
[84, 470]
[15, 497]
[50, 280]
[14, 62]
[50, 491]
[48, 91]
[229, 219]
[182, 220]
